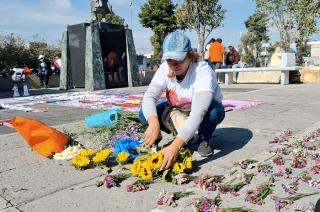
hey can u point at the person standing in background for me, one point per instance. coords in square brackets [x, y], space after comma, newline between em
[57, 64]
[216, 51]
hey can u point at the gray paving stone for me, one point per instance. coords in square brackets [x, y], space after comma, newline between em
[11, 209]
[32, 183]
[43, 178]
[4, 203]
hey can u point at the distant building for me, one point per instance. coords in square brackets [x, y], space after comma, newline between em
[315, 48]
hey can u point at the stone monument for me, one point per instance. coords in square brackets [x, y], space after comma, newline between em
[98, 55]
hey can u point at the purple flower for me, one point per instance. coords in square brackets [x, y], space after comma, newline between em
[306, 138]
[137, 187]
[181, 178]
[281, 203]
[315, 169]
[289, 189]
[165, 199]
[286, 134]
[207, 205]
[109, 182]
[130, 188]
[317, 132]
[278, 161]
[299, 163]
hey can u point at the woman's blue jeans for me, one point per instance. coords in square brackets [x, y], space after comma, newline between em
[212, 118]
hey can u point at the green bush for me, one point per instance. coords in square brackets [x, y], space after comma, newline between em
[15, 50]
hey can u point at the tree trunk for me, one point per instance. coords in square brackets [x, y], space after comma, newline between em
[201, 35]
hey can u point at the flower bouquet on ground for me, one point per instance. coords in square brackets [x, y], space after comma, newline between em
[168, 199]
[114, 180]
[262, 191]
[207, 182]
[147, 167]
[139, 185]
[88, 158]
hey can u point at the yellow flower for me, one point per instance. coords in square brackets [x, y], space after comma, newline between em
[146, 174]
[102, 156]
[87, 152]
[188, 162]
[123, 157]
[155, 161]
[136, 168]
[179, 168]
[147, 164]
[80, 161]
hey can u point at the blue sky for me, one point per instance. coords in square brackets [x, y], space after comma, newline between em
[49, 18]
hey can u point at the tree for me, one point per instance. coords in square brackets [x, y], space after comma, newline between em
[253, 39]
[246, 49]
[295, 20]
[111, 18]
[158, 15]
[15, 50]
[203, 16]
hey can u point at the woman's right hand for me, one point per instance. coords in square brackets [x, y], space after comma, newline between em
[152, 133]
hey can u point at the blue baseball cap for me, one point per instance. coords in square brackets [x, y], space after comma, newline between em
[176, 46]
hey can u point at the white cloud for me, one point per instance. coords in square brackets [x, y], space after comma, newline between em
[48, 18]
[46, 11]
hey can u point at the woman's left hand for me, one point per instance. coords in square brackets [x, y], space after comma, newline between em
[170, 153]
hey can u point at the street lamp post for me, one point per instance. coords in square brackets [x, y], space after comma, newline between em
[131, 4]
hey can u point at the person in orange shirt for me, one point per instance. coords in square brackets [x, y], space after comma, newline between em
[216, 51]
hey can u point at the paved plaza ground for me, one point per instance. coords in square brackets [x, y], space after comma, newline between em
[29, 182]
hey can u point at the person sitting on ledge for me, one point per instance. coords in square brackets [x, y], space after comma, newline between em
[192, 92]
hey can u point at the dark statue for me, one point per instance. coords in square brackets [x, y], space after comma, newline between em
[102, 7]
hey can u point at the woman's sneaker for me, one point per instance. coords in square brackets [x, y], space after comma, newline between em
[204, 148]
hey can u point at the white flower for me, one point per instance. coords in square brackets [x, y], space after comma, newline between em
[68, 153]
[58, 156]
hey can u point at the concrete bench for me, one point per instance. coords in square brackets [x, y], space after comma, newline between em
[284, 76]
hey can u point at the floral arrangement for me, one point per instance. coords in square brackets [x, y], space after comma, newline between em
[290, 155]
[89, 158]
[148, 168]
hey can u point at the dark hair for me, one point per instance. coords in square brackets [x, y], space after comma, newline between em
[212, 40]
[219, 40]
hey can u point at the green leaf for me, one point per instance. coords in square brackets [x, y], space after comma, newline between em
[142, 157]
[127, 166]
[181, 194]
[168, 175]
[299, 196]
[106, 168]
[120, 177]
[240, 209]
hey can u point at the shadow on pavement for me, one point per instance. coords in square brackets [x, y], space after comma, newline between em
[226, 140]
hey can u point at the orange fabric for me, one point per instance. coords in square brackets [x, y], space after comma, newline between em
[43, 139]
[216, 51]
